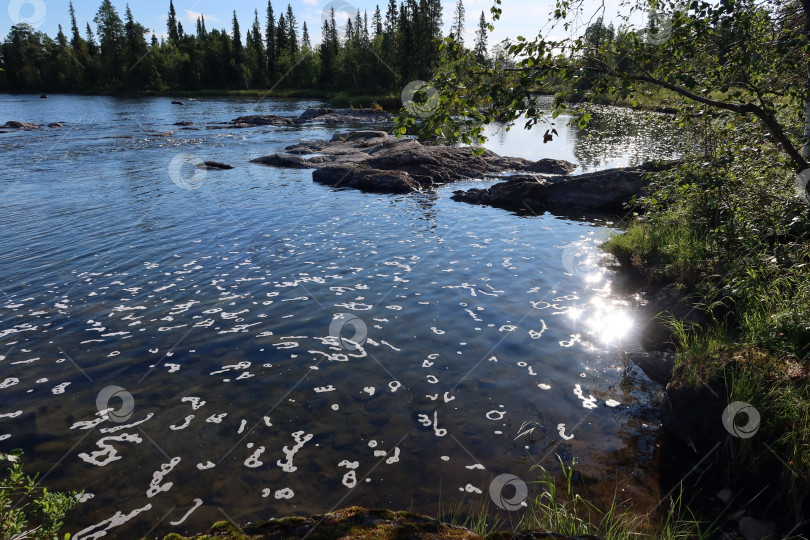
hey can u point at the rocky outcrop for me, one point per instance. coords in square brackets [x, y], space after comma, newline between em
[603, 191]
[335, 116]
[13, 124]
[372, 161]
[330, 116]
[261, 120]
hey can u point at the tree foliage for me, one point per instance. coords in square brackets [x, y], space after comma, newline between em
[116, 55]
[747, 58]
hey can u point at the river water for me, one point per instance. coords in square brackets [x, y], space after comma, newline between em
[270, 346]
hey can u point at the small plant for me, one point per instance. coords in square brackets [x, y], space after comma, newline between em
[28, 510]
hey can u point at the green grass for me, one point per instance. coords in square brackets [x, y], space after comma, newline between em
[560, 507]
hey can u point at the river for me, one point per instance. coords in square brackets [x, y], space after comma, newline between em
[271, 346]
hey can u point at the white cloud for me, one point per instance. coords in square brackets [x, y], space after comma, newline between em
[311, 2]
[191, 16]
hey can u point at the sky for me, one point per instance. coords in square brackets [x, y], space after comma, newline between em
[520, 17]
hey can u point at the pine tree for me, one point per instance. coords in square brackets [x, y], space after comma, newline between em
[282, 36]
[376, 22]
[458, 23]
[270, 38]
[292, 31]
[92, 47]
[481, 39]
[76, 40]
[305, 43]
[238, 50]
[174, 35]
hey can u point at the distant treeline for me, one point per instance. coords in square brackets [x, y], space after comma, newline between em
[372, 54]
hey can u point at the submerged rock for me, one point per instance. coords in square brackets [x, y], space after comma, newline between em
[184, 123]
[56, 125]
[177, 102]
[14, 124]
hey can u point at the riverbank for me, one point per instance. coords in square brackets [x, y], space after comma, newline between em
[737, 406]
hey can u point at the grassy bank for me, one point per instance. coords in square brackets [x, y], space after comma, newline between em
[730, 227]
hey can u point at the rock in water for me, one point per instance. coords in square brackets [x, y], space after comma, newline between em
[13, 124]
[261, 120]
[214, 165]
[177, 102]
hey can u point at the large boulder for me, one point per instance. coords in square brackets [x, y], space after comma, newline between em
[347, 175]
[602, 191]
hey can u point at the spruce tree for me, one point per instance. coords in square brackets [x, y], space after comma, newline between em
[458, 23]
[481, 39]
[174, 35]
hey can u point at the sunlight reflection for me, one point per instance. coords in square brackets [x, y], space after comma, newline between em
[609, 322]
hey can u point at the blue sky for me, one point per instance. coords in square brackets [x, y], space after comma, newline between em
[521, 17]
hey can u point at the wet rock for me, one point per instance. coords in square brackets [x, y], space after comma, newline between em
[184, 123]
[14, 124]
[164, 134]
[261, 120]
[177, 102]
[56, 125]
[291, 162]
[373, 161]
[344, 116]
[603, 191]
[753, 529]
[365, 178]
[214, 165]
[657, 365]
[44, 96]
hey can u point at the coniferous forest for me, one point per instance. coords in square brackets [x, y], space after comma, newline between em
[368, 53]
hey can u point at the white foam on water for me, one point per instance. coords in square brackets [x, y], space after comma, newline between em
[116, 520]
[155, 486]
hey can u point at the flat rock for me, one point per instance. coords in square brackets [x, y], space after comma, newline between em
[214, 165]
[184, 123]
[291, 162]
[177, 102]
[14, 124]
[344, 116]
[56, 125]
[261, 120]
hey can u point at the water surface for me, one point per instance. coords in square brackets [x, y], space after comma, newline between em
[270, 346]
